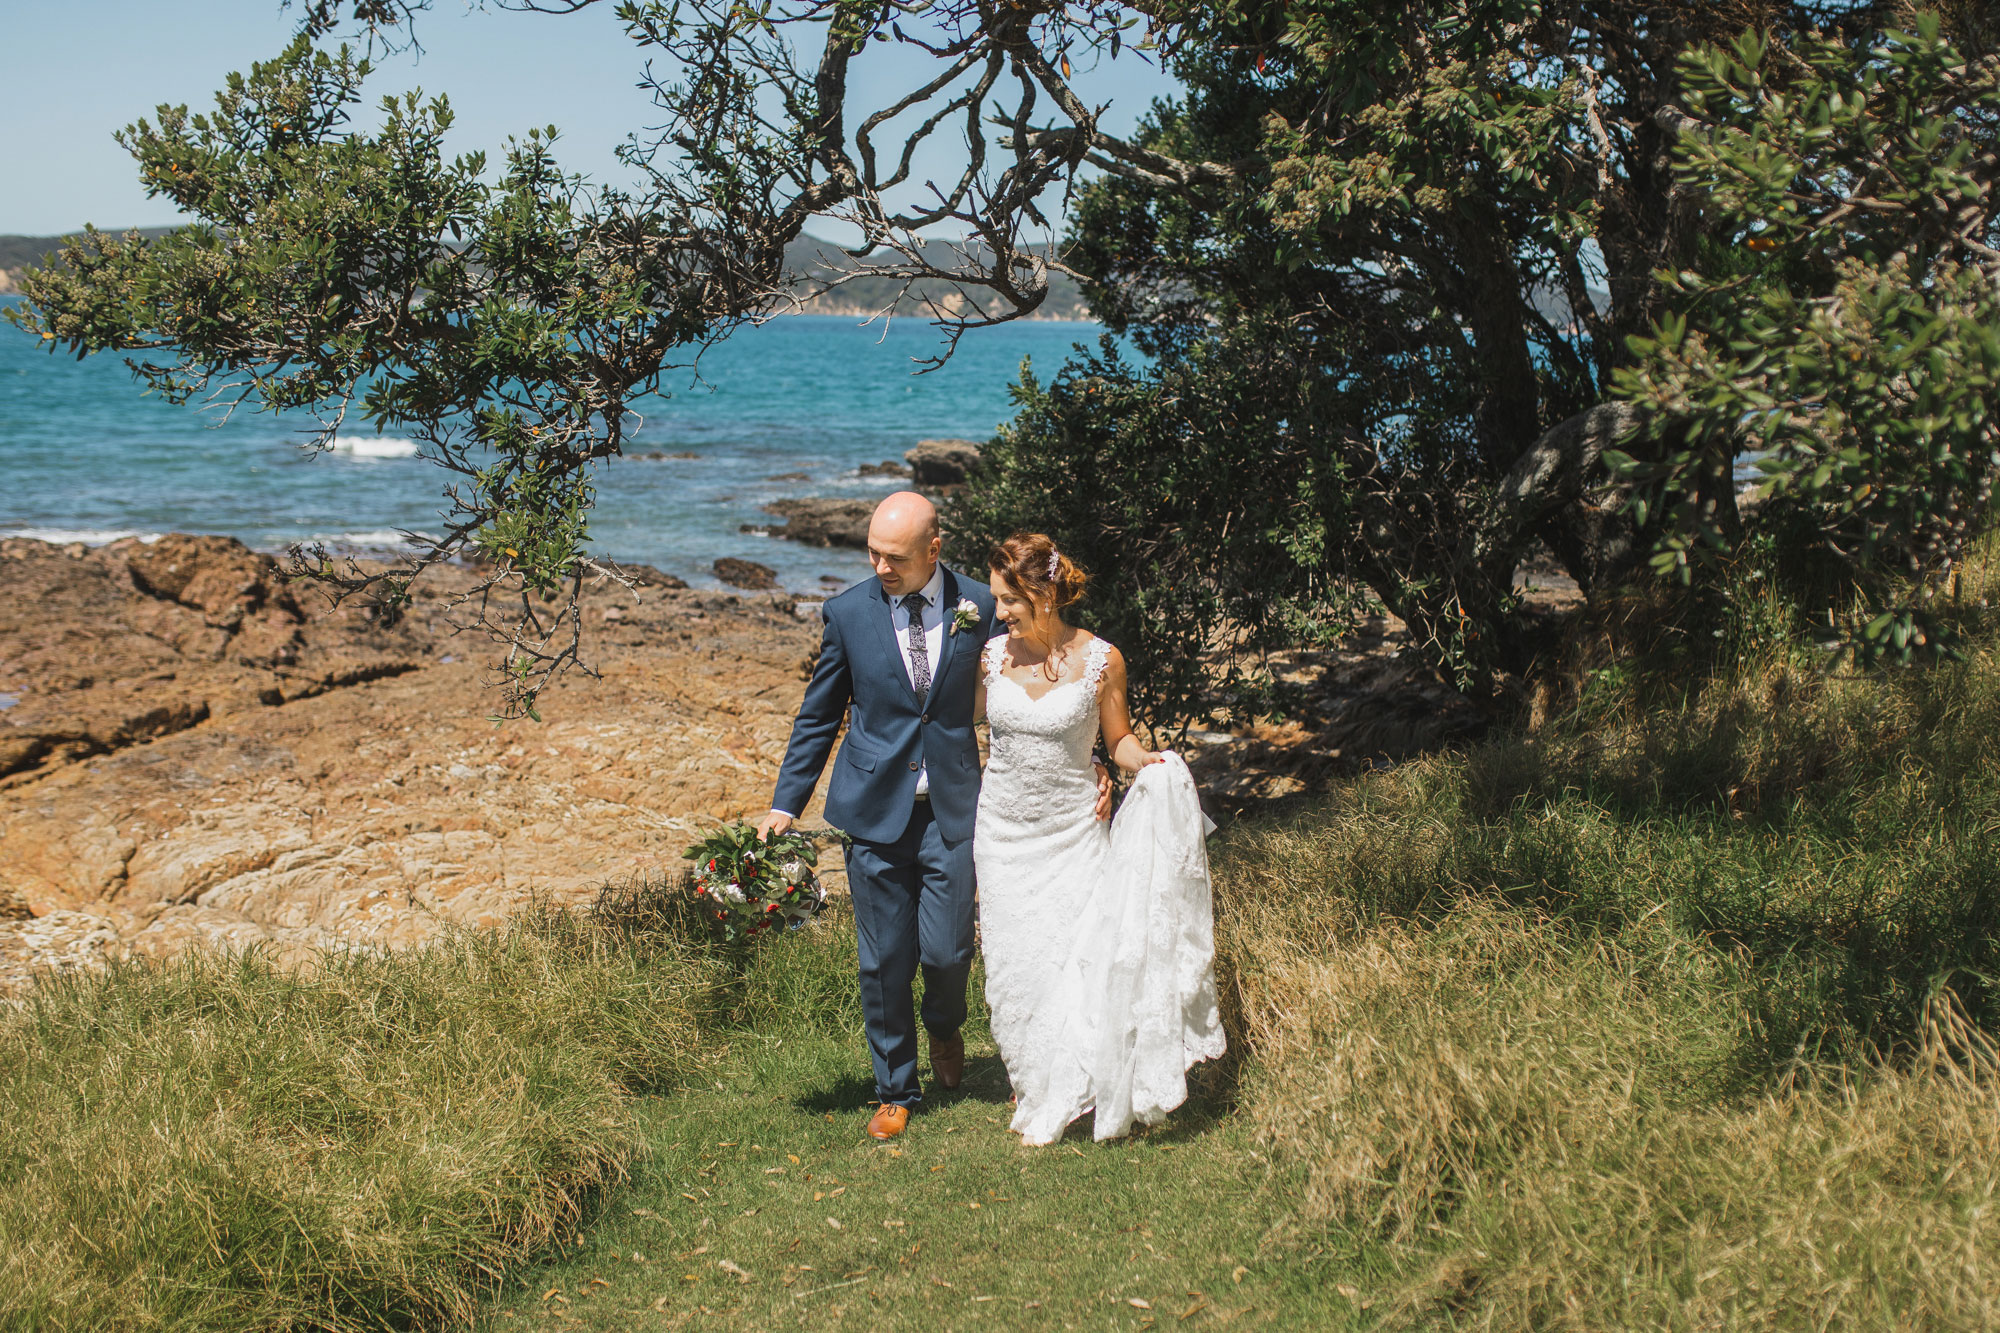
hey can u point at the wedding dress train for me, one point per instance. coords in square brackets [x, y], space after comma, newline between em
[1099, 940]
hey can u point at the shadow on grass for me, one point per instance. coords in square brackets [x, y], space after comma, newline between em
[850, 1092]
[1212, 1088]
[985, 1081]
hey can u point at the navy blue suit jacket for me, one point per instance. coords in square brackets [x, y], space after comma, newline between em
[860, 678]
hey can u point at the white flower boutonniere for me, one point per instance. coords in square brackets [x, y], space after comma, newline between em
[965, 615]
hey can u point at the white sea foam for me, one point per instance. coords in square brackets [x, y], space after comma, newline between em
[376, 446]
[375, 539]
[88, 536]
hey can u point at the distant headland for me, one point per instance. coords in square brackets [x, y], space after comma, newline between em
[810, 258]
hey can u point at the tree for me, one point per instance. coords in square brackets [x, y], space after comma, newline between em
[1853, 349]
[1401, 272]
[1496, 239]
[1196, 494]
[507, 324]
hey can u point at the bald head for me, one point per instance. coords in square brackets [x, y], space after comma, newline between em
[903, 542]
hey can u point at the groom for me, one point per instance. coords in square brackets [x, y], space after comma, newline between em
[899, 663]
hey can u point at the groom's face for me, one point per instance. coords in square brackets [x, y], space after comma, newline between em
[904, 560]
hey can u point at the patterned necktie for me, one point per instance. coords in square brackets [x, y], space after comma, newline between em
[920, 653]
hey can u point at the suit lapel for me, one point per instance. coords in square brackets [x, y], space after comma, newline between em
[949, 655]
[885, 629]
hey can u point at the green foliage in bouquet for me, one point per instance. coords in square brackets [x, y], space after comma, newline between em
[748, 885]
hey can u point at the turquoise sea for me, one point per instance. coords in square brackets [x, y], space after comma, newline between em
[789, 409]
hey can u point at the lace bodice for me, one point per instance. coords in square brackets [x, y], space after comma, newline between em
[1041, 745]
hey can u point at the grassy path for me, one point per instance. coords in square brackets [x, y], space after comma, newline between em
[764, 1206]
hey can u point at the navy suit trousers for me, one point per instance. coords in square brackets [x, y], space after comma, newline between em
[912, 908]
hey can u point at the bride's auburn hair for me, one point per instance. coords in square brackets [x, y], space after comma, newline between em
[1038, 571]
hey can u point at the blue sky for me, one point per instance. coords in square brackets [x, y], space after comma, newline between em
[71, 74]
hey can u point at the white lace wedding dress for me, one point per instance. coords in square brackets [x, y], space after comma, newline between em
[1099, 940]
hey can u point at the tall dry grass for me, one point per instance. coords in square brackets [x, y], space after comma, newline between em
[1408, 1066]
[220, 1144]
[1864, 1202]
[1671, 1016]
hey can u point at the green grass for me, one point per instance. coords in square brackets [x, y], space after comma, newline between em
[221, 1145]
[763, 1166]
[1673, 1014]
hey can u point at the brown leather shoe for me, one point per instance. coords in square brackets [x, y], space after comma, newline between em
[888, 1122]
[948, 1059]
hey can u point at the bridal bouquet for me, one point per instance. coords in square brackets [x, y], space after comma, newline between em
[748, 886]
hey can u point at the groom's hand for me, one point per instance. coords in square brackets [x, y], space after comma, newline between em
[1103, 789]
[775, 822]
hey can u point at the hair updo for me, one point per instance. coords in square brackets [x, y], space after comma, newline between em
[1038, 571]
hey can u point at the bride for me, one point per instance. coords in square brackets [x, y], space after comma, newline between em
[1098, 939]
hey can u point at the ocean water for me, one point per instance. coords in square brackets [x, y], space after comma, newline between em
[790, 409]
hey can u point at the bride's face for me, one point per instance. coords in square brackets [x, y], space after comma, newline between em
[1014, 609]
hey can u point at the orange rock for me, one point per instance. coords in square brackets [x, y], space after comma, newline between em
[182, 783]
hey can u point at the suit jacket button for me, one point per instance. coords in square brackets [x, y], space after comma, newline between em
[913, 765]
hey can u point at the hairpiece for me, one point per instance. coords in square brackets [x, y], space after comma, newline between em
[1055, 563]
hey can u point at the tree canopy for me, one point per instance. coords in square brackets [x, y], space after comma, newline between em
[1471, 280]
[1419, 287]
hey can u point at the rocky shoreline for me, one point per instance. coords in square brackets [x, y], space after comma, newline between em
[193, 753]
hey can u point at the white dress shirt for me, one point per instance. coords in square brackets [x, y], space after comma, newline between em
[933, 642]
